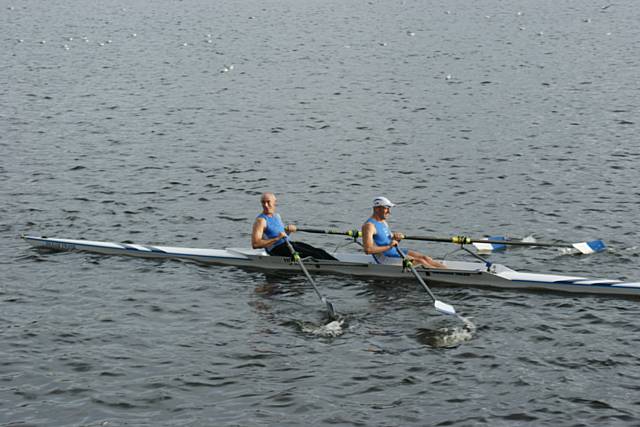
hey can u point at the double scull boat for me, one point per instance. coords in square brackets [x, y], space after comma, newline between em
[458, 273]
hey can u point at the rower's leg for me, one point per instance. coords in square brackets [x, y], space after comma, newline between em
[425, 260]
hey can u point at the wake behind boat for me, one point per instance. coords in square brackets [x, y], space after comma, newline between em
[458, 273]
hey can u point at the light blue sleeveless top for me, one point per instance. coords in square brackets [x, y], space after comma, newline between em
[383, 237]
[273, 229]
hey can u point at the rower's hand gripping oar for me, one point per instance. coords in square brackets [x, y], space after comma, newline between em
[296, 258]
[439, 305]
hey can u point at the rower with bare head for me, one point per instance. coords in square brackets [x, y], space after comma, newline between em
[269, 233]
[268, 230]
[381, 243]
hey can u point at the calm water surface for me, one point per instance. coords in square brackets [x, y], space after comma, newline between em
[162, 122]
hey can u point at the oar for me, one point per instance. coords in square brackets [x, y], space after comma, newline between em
[589, 247]
[296, 257]
[350, 233]
[439, 305]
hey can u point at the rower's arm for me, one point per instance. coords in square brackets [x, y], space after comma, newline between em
[369, 246]
[257, 242]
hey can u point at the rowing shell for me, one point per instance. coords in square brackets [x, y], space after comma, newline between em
[458, 273]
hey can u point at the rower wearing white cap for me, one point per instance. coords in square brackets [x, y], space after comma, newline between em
[381, 243]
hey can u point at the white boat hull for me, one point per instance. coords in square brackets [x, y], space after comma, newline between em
[458, 273]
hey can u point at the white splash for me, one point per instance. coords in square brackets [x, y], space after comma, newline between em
[332, 329]
[567, 251]
[448, 337]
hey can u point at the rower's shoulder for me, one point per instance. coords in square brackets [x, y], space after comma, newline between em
[368, 224]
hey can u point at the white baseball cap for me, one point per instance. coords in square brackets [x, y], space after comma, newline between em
[382, 201]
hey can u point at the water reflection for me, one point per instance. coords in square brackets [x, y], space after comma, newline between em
[279, 284]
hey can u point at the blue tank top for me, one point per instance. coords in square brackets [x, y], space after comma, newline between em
[273, 229]
[383, 237]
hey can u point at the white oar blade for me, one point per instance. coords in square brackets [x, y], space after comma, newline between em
[444, 308]
[491, 247]
[590, 247]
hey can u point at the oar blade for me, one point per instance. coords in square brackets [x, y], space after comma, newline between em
[330, 309]
[590, 247]
[444, 308]
[491, 247]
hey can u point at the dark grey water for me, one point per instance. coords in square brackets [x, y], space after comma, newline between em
[161, 122]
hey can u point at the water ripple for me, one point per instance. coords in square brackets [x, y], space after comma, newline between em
[165, 130]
